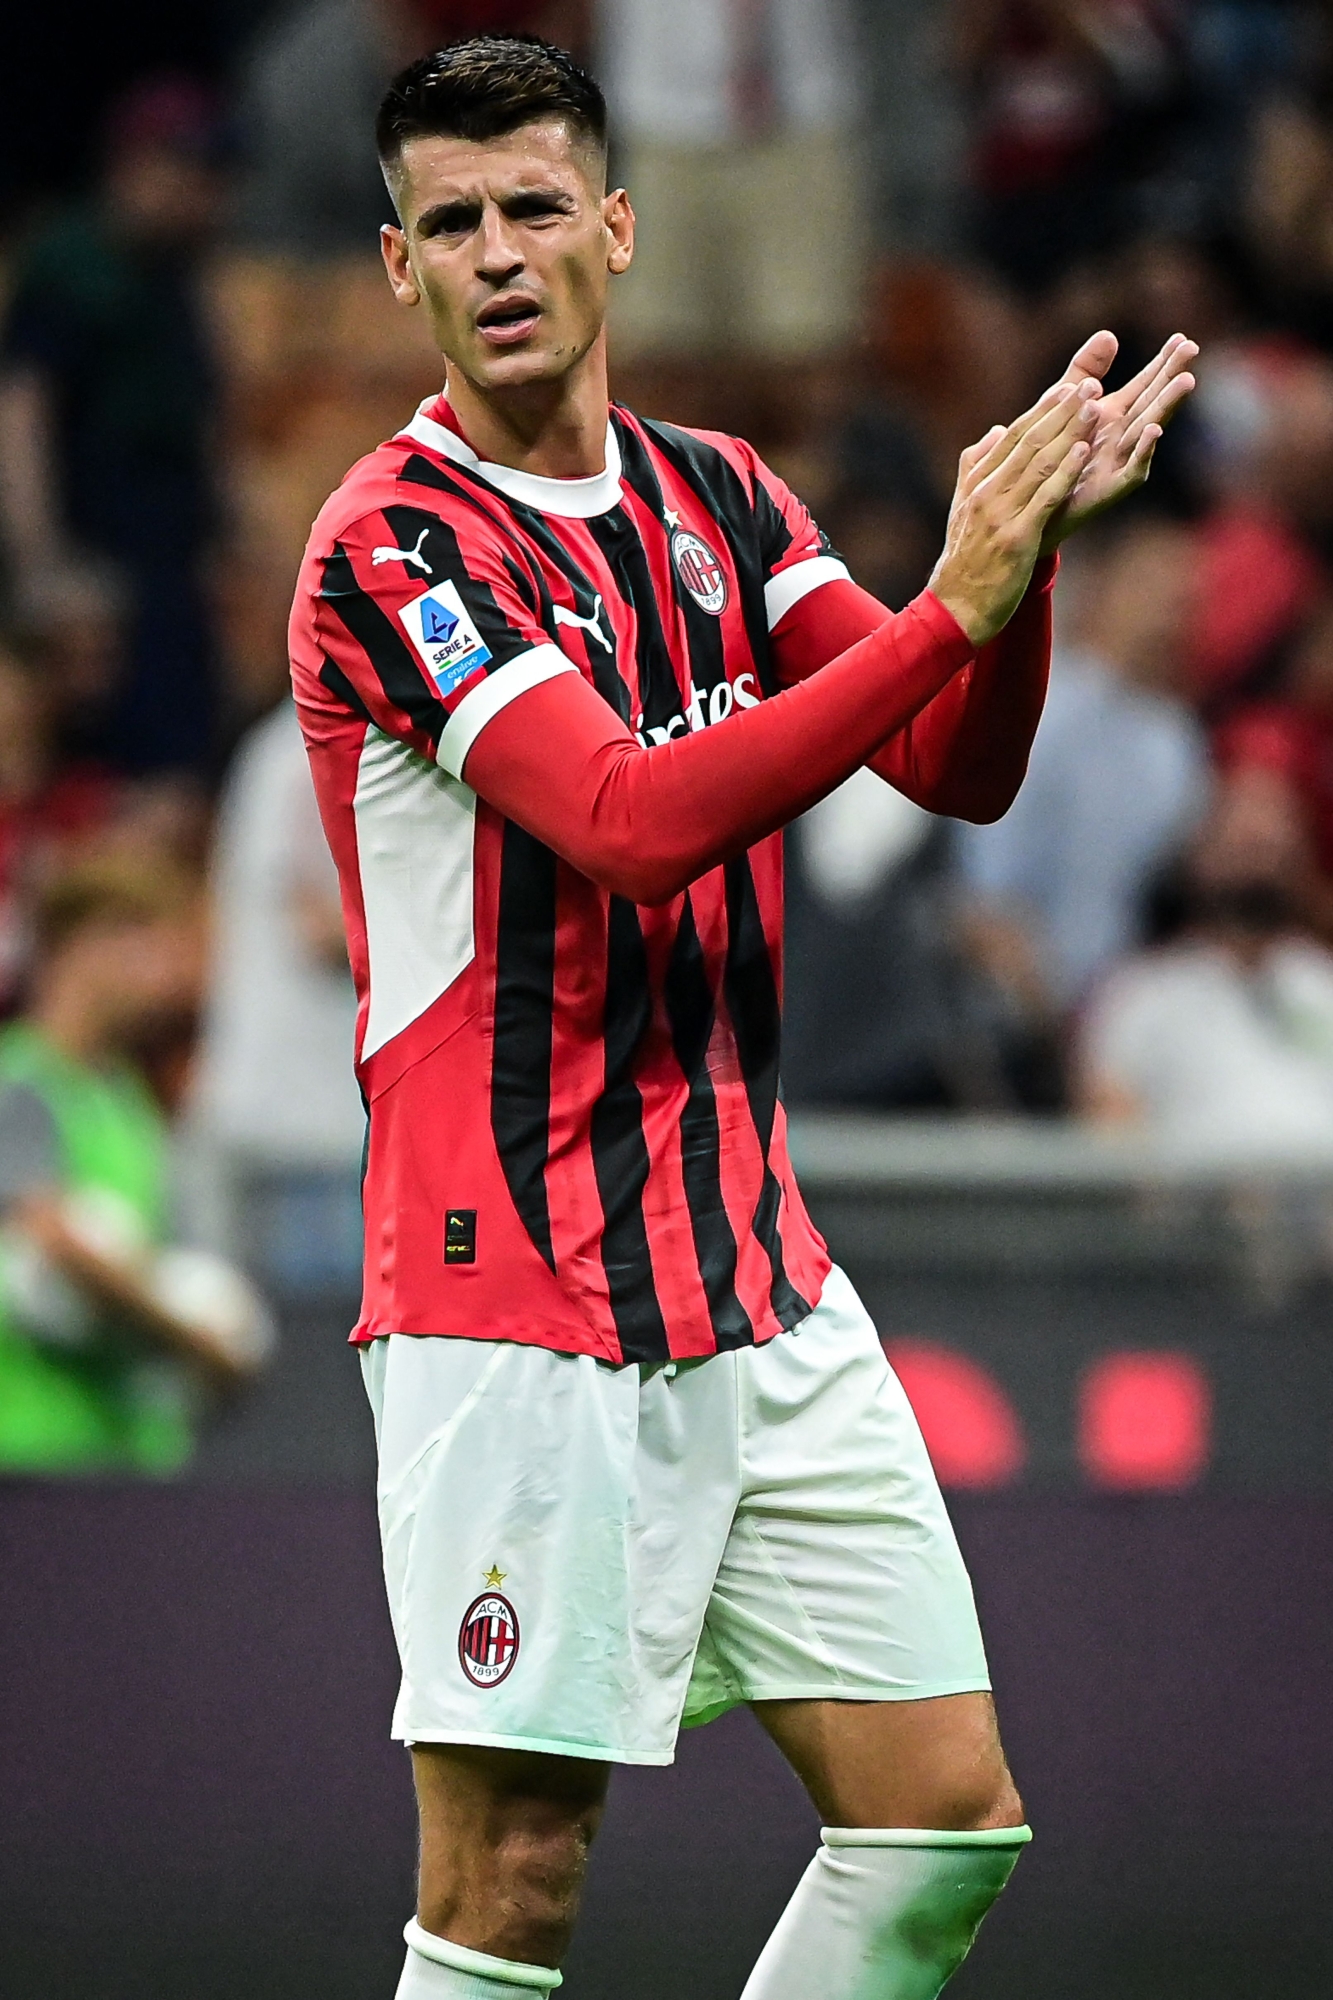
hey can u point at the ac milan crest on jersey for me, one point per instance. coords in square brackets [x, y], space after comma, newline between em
[488, 1640]
[700, 571]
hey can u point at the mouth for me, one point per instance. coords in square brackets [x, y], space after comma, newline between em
[506, 322]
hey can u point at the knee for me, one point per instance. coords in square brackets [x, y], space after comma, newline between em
[983, 1801]
[516, 1893]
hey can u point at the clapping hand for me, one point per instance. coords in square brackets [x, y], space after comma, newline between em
[1128, 427]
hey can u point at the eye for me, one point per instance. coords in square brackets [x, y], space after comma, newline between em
[456, 218]
[538, 208]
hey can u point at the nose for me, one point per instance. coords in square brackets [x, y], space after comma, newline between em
[499, 253]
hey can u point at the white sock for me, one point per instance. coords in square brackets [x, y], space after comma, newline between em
[438, 1970]
[884, 1915]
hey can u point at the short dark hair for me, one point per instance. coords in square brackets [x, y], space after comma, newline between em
[484, 87]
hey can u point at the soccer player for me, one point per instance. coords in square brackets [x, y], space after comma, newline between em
[564, 675]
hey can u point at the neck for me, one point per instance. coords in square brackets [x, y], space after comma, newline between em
[556, 430]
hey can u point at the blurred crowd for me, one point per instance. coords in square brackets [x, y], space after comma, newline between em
[868, 229]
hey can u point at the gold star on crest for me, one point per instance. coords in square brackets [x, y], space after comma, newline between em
[495, 1577]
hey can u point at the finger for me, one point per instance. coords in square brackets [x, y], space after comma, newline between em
[971, 458]
[1140, 461]
[1040, 447]
[1047, 464]
[1094, 358]
[1130, 391]
[1059, 396]
[1159, 412]
[1175, 357]
[1057, 486]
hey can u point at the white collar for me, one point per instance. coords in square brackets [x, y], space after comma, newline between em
[579, 499]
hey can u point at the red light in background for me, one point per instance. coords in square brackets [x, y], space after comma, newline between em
[1145, 1422]
[971, 1428]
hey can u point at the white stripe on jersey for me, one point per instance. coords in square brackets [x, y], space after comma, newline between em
[789, 586]
[483, 702]
[414, 828]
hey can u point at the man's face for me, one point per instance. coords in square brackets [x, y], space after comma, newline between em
[509, 243]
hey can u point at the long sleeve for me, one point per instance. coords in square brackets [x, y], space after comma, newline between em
[645, 823]
[965, 753]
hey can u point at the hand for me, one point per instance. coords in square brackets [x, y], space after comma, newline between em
[1010, 485]
[1129, 425]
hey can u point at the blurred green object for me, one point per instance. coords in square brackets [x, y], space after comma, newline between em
[86, 1399]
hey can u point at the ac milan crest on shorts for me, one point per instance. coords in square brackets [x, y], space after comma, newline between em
[757, 1525]
[488, 1640]
[700, 571]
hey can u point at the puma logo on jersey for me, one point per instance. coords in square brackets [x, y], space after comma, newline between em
[378, 556]
[593, 624]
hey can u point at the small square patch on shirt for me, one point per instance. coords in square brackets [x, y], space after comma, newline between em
[443, 636]
[460, 1236]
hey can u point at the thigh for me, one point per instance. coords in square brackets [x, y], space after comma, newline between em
[842, 1579]
[935, 1763]
[551, 1529]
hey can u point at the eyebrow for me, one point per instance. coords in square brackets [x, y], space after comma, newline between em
[464, 211]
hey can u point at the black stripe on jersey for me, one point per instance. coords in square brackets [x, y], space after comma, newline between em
[715, 480]
[524, 1027]
[337, 683]
[607, 678]
[439, 545]
[490, 505]
[775, 537]
[397, 668]
[660, 696]
[756, 1018]
[619, 1148]
[419, 471]
[691, 1011]
[703, 632]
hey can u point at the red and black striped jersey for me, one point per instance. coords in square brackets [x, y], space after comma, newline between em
[576, 1133]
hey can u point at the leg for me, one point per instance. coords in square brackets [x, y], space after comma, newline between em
[842, 1611]
[922, 1830]
[504, 1844]
[898, 1763]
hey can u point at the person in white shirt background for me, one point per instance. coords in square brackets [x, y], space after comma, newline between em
[1116, 784]
[1221, 1041]
[275, 1110]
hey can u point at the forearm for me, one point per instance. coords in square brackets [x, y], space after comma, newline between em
[965, 754]
[646, 823]
[114, 1288]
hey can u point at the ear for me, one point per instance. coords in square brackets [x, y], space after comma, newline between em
[618, 220]
[393, 248]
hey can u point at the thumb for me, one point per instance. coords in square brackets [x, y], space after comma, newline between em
[1094, 358]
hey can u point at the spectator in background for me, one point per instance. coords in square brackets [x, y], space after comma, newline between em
[1289, 736]
[312, 186]
[882, 1010]
[275, 1105]
[106, 403]
[105, 1341]
[1116, 781]
[1223, 1040]
[737, 142]
[1069, 102]
[45, 804]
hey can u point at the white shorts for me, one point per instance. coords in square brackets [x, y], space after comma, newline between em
[582, 1558]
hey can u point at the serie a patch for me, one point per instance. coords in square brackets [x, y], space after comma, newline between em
[443, 636]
